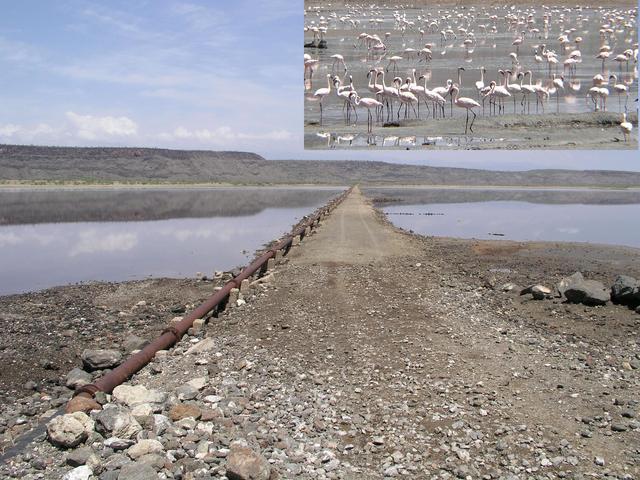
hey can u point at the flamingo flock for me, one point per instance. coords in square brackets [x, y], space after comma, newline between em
[525, 54]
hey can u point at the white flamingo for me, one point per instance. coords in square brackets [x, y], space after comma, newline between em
[620, 89]
[480, 83]
[625, 126]
[558, 83]
[323, 92]
[389, 94]
[368, 103]
[337, 60]
[467, 103]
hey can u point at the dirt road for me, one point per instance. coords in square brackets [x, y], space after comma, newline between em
[375, 353]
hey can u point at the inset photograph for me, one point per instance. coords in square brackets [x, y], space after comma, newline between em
[457, 75]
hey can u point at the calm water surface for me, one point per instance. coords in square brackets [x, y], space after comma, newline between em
[606, 217]
[126, 235]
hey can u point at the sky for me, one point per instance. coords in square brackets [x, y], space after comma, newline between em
[186, 74]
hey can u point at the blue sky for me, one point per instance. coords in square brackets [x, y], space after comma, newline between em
[184, 74]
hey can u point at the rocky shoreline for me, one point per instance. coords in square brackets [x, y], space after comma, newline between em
[235, 399]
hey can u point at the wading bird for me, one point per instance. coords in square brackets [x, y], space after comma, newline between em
[323, 92]
[367, 103]
[467, 103]
[625, 126]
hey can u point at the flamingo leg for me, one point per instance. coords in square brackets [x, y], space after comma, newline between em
[474, 119]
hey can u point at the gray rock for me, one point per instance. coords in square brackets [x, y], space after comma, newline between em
[79, 456]
[69, 430]
[186, 392]
[77, 378]
[117, 422]
[116, 443]
[100, 359]
[244, 464]
[137, 471]
[588, 292]
[626, 291]
[134, 342]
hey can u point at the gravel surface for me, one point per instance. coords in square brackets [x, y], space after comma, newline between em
[369, 353]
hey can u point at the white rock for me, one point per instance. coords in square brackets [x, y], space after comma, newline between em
[144, 447]
[198, 383]
[205, 345]
[131, 395]
[69, 430]
[79, 473]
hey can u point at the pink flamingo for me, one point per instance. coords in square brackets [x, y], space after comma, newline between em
[467, 103]
[368, 103]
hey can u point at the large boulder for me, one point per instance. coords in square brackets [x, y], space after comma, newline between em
[100, 359]
[626, 291]
[245, 464]
[69, 430]
[117, 422]
[588, 292]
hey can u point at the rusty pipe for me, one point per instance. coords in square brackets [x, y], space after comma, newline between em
[173, 333]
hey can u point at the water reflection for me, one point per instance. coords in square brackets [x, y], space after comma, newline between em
[596, 216]
[37, 256]
[332, 140]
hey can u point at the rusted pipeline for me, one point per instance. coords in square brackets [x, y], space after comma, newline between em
[173, 333]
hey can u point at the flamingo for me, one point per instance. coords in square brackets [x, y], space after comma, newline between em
[436, 98]
[512, 88]
[309, 65]
[558, 83]
[620, 89]
[625, 126]
[368, 103]
[395, 59]
[323, 92]
[388, 93]
[528, 90]
[480, 83]
[603, 55]
[467, 103]
[343, 93]
[501, 92]
[337, 60]
[406, 97]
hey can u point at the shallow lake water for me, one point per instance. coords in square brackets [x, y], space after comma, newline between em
[594, 216]
[489, 49]
[50, 238]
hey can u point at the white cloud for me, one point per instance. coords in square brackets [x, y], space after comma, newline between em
[91, 128]
[91, 242]
[19, 133]
[223, 135]
[9, 130]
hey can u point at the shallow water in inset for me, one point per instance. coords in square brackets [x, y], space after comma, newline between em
[133, 234]
[594, 216]
[489, 50]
